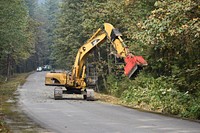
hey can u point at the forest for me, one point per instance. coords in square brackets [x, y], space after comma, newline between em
[165, 32]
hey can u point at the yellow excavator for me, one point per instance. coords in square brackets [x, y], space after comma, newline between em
[75, 82]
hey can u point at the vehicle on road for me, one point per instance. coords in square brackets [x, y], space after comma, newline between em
[47, 68]
[39, 69]
[76, 82]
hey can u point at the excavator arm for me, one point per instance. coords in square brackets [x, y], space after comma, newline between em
[109, 32]
[78, 70]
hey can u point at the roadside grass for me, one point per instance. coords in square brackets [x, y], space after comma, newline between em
[159, 95]
[107, 98]
[11, 118]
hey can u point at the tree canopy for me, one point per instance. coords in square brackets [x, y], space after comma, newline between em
[16, 42]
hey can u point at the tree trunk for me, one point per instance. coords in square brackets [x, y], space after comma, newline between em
[102, 74]
[8, 67]
[108, 47]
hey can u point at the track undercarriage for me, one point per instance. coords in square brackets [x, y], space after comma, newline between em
[61, 93]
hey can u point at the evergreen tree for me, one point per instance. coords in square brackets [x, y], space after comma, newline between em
[15, 36]
[68, 34]
[52, 11]
[39, 24]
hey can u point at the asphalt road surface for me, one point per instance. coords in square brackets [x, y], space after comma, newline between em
[74, 115]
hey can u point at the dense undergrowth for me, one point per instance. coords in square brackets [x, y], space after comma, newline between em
[155, 94]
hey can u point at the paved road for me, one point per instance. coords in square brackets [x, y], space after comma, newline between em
[79, 116]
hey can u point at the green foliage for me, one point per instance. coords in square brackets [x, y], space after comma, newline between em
[113, 86]
[14, 35]
[17, 42]
[166, 33]
[38, 26]
[51, 11]
[68, 34]
[3, 127]
[159, 94]
[78, 20]
[172, 33]
[97, 12]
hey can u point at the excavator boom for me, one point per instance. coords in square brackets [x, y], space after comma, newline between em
[75, 81]
[132, 63]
